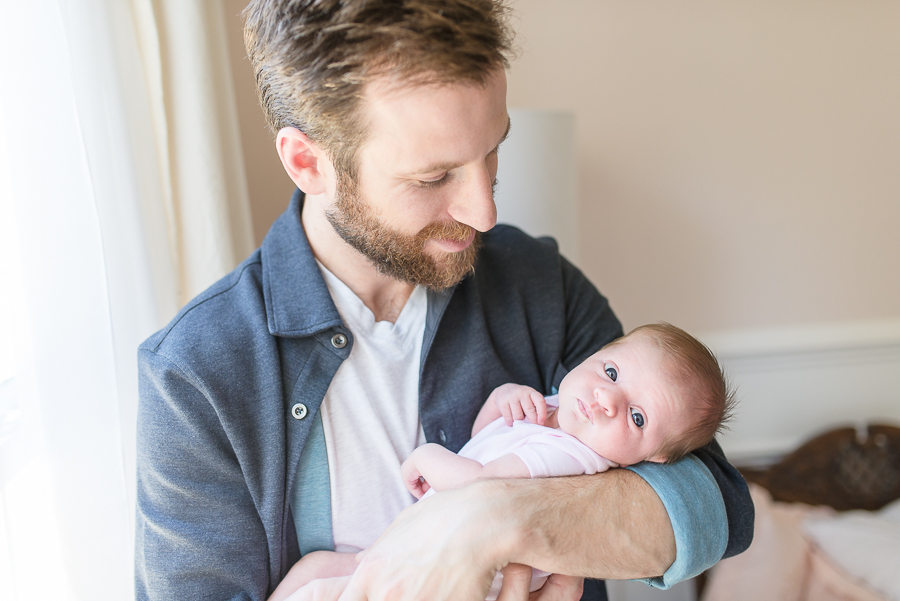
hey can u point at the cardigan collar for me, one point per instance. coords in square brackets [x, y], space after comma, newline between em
[290, 272]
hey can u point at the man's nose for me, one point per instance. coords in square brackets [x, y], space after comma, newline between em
[474, 205]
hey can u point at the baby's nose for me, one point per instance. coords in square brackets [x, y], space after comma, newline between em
[606, 403]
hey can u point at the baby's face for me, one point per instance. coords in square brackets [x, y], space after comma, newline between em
[621, 402]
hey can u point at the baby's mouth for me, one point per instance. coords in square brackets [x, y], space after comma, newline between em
[584, 411]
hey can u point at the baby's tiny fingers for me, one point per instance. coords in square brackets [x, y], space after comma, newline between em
[530, 411]
[540, 404]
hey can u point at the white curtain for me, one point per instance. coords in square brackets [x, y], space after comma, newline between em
[185, 53]
[121, 195]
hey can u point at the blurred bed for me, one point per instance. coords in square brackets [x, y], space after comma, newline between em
[827, 524]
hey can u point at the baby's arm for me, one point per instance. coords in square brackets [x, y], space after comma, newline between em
[443, 469]
[312, 566]
[513, 402]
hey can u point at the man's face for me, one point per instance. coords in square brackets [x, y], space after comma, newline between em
[621, 401]
[426, 174]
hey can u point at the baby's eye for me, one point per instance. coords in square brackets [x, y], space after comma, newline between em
[638, 418]
[610, 371]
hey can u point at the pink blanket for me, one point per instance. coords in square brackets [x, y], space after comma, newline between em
[782, 564]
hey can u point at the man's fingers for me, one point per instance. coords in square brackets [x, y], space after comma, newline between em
[354, 591]
[516, 582]
[559, 588]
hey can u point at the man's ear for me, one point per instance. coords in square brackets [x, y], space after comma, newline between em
[303, 160]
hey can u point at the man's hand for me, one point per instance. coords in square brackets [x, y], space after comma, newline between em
[445, 547]
[516, 402]
[558, 588]
[517, 582]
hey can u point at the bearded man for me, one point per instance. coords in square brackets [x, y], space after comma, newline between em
[379, 313]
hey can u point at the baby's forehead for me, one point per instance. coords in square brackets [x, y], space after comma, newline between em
[625, 341]
[641, 341]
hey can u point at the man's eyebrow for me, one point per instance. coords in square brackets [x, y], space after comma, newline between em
[449, 166]
[438, 167]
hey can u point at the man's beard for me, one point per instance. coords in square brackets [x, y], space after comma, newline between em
[398, 255]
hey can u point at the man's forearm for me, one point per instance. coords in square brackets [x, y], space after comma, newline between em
[610, 525]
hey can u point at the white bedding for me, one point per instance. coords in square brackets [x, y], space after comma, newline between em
[865, 544]
[805, 553]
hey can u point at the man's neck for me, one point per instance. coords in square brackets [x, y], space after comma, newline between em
[383, 295]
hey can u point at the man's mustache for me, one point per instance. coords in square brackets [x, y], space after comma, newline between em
[445, 230]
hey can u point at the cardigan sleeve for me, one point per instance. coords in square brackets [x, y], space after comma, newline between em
[697, 512]
[198, 533]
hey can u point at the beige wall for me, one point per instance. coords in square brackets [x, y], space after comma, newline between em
[739, 161]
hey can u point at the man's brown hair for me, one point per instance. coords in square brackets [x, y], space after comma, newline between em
[313, 58]
[700, 382]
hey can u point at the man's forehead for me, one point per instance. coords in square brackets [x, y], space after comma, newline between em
[423, 166]
[434, 125]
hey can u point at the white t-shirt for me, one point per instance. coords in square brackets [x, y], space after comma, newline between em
[370, 416]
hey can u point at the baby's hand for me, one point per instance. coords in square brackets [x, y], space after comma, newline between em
[412, 477]
[314, 567]
[515, 402]
[321, 589]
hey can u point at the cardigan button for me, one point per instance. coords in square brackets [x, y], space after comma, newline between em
[338, 341]
[299, 411]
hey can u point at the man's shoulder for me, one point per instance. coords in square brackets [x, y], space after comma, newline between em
[227, 310]
[517, 291]
[510, 240]
[509, 252]
[559, 304]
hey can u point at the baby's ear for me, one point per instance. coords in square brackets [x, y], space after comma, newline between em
[658, 459]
